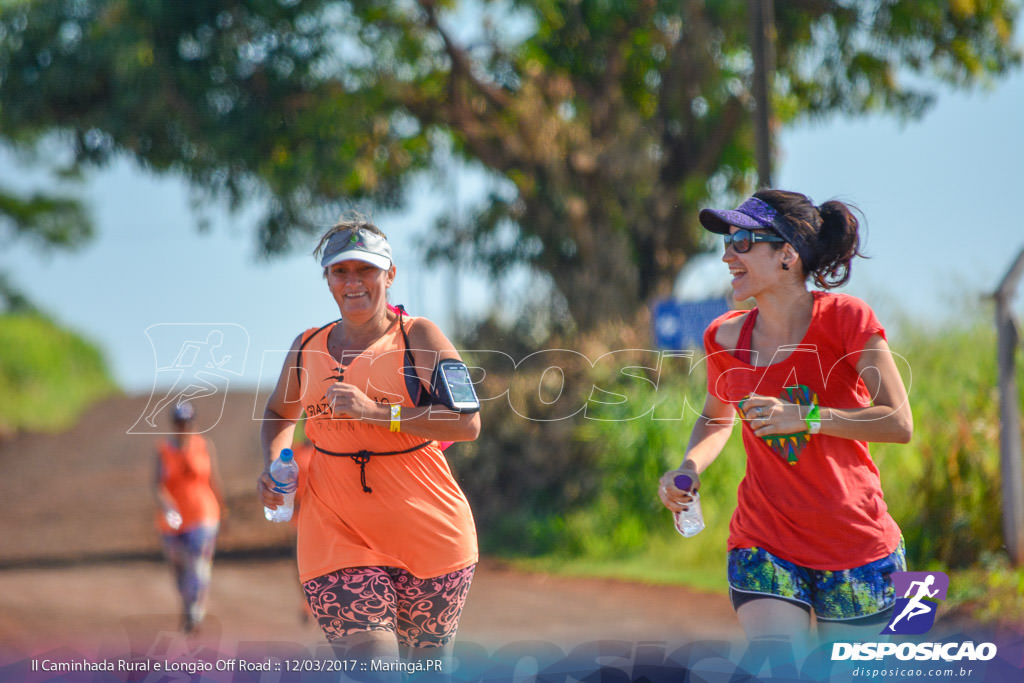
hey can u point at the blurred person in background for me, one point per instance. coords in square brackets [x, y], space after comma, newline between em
[386, 545]
[812, 378]
[188, 490]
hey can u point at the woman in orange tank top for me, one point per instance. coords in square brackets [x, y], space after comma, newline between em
[188, 493]
[386, 543]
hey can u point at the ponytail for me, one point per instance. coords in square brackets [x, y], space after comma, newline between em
[837, 244]
[826, 237]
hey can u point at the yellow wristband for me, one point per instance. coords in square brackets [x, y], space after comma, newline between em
[396, 418]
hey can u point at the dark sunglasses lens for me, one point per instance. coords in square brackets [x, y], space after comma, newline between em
[741, 241]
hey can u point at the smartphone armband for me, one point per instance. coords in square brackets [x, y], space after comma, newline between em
[454, 387]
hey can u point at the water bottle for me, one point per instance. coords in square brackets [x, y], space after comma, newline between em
[689, 521]
[285, 473]
[173, 519]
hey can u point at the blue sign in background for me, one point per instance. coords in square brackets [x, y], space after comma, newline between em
[681, 324]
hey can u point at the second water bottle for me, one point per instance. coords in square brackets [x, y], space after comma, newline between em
[285, 473]
[689, 521]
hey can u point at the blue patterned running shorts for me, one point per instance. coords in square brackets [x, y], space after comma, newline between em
[841, 595]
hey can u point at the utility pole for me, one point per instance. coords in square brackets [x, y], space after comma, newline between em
[1009, 415]
[762, 47]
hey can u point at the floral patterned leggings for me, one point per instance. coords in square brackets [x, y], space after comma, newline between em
[422, 613]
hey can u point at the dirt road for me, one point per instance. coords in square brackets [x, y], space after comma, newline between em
[80, 570]
[81, 580]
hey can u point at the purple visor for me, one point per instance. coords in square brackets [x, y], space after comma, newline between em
[756, 214]
[753, 213]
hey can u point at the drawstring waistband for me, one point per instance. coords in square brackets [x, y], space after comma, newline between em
[363, 457]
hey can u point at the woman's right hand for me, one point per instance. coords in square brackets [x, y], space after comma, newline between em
[172, 517]
[672, 497]
[265, 487]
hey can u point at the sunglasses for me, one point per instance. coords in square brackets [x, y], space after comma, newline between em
[742, 240]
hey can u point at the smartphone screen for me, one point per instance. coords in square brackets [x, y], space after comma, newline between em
[460, 386]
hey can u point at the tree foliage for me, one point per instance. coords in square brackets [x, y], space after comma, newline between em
[44, 220]
[610, 121]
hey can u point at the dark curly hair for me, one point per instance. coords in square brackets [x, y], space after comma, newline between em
[831, 229]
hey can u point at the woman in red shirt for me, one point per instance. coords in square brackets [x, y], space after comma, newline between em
[813, 381]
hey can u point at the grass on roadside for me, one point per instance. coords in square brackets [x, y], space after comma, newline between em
[48, 375]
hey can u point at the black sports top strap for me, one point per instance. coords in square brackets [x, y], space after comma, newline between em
[298, 359]
[413, 385]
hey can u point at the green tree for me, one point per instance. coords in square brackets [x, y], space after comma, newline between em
[609, 120]
[45, 220]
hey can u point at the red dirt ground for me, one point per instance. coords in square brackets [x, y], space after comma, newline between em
[80, 570]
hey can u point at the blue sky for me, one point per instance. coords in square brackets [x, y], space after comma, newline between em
[942, 198]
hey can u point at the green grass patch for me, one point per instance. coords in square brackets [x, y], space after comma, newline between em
[992, 592]
[48, 375]
[698, 562]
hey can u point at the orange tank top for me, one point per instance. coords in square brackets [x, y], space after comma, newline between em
[400, 510]
[187, 475]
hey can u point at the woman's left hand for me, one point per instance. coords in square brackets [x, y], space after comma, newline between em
[767, 415]
[347, 400]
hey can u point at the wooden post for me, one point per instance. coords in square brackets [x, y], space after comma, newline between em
[762, 47]
[1009, 415]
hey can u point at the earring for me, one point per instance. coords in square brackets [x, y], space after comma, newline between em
[785, 266]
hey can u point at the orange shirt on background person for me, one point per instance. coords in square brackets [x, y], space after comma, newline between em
[416, 517]
[187, 477]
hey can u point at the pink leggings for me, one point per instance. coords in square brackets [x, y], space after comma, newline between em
[420, 612]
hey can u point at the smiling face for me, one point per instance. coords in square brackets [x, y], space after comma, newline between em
[757, 269]
[359, 288]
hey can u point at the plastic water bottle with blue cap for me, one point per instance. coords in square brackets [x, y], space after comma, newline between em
[690, 520]
[285, 473]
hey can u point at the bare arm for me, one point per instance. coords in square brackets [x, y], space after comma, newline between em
[277, 429]
[163, 499]
[168, 508]
[216, 480]
[708, 438]
[887, 419]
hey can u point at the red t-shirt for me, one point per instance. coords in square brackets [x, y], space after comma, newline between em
[813, 500]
